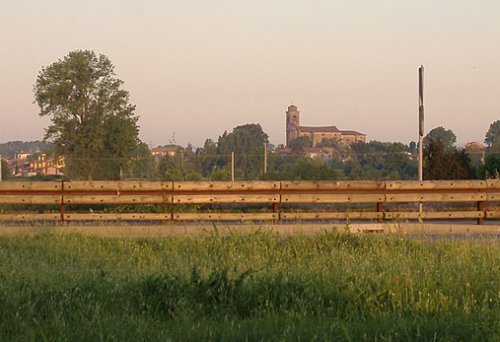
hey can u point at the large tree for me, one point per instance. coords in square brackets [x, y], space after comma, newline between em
[441, 163]
[493, 135]
[445, 135]
[247, 142]
[93, 125]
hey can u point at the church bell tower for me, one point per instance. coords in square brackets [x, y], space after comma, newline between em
[292, 123]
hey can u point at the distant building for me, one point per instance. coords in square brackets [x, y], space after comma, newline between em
[317, 134]
[163, 151]
[27, 165]
[22, 155]
[43, 165]
[475, 146]
[476, 151]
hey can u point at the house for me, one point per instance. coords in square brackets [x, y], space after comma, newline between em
[163, 151]
[27, 165]
[41, 164]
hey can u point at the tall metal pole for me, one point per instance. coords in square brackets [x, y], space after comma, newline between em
[420, 122]
[420, 128]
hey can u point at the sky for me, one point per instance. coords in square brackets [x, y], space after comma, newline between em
[197, 68]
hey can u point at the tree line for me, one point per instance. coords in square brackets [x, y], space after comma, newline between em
[372, 160]
[94, 127]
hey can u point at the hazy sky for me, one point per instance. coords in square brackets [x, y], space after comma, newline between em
[197, 68]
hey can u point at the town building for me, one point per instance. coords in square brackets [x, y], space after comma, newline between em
[317, 134]
[163, 151]
[28, 165]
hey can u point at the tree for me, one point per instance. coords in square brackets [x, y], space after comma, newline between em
[142, 165]
[208, 158]
[440, 163]
[334, 143]
[299, 144]
[412, 147]
[92, 123]
[381, 160]
[440, 133]
[5, 169]
[247, 142]
[183, 166]
[491, 168]
[492, 137]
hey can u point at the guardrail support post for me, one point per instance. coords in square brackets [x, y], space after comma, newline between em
[380, 209]
[276, 209]
[61, 206]
[480, 207]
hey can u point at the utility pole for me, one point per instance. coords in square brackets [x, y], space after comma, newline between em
[0, 167]
[420, 127]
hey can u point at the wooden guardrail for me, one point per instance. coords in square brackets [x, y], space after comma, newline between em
[250, 201]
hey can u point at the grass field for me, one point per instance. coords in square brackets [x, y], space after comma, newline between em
[255, 286]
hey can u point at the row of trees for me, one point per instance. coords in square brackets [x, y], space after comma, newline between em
[94, 127]
[373, 160]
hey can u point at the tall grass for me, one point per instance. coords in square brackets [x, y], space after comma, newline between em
[256, 286]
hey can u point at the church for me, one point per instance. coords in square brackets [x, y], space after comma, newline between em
[317, 134]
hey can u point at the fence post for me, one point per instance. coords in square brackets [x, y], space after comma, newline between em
[480, 207]
[380, 209]
[61, 206]
[276, 209]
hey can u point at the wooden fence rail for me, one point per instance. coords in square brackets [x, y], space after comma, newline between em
[249, 201]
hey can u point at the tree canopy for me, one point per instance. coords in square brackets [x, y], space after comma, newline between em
[440, 133]
[92, 122]
[442, 163]
[493, 135]
[247, 142]
[299, 144]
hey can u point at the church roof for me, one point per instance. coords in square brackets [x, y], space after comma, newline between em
[327, 129]
[351, 133]
[318, 129]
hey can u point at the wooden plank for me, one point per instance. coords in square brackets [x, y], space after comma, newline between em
[225, 216]
[332, 198]
[30, 199]
[30, 217]
[493, 197]
[493, 214]
[436, 185]
[227, 186]
[240, 199]
[436, 197]
[493, 183]
[434, 215]
[332, 185]
[117, 199]
[30, 186]
[117, 186]
[91, 186]
[332, 216]
[118, 217]
[144, 186]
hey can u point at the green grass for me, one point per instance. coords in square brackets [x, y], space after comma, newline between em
[257, 286]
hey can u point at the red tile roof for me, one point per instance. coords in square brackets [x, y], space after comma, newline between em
[319, 129]
[329, 129]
